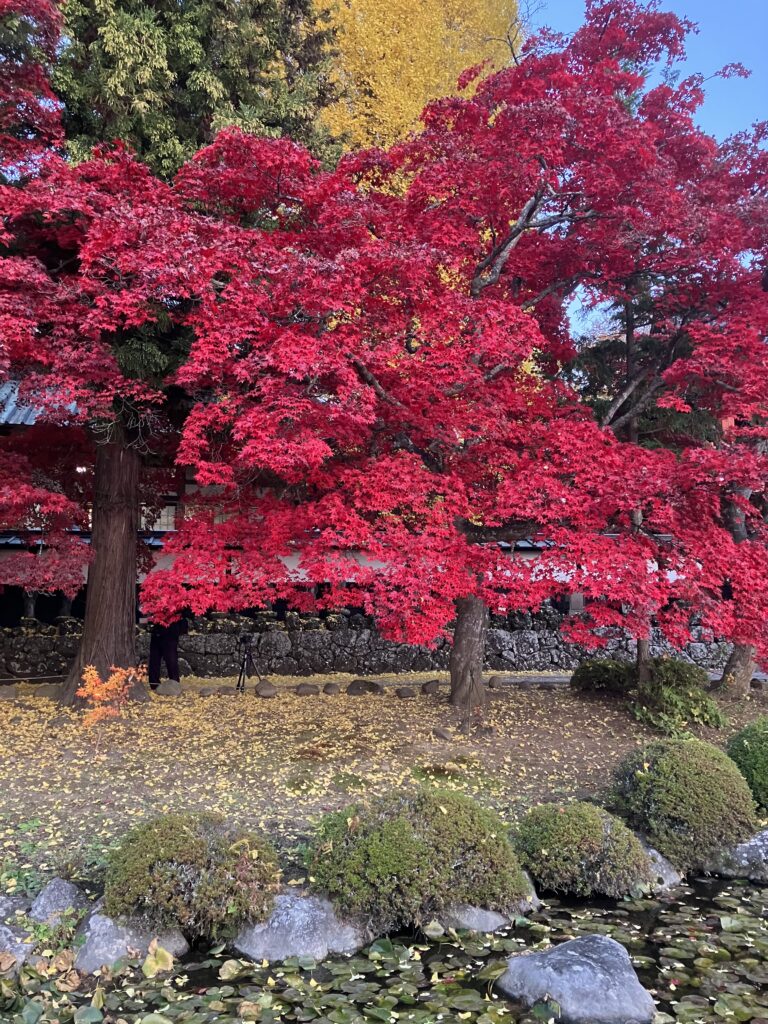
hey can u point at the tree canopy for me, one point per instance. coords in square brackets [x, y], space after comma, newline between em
[365, 368]
[164, 77]
[391, 59]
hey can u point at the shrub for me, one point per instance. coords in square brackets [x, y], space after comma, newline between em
[581, 850]
[602, 675]
[749, 749]
[674, 697]
[687, 797]
[191, 871]
[408, 856]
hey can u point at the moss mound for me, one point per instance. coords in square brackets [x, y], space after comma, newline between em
[749, 749]
[674, 697]
[581, 850]
[406, 857]
[192, 871]
[603, 675]
[687, 797]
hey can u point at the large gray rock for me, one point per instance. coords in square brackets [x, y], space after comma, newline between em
[299, 925]
[55, 899]
[107, 940]
[13, 942]
[665, 874]
[591, 978]
[747, 860]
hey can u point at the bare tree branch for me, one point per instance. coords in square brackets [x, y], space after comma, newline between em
[621, 398]
[368, 378]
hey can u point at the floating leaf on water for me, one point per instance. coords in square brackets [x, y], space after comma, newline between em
[231, 969]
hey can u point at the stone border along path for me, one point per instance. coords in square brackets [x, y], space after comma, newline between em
[50, 686]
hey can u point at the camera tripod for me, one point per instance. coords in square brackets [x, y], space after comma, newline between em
[247, 666]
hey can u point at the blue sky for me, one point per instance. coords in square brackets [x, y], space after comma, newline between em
[729, 31]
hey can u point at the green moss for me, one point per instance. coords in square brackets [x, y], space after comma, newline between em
[602, 675]
[674, 697]
[749, 749]
[687, 797]
[191, 871]
[406, 857]
[581, 850]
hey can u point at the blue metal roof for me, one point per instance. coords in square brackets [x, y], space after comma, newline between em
[11, 413]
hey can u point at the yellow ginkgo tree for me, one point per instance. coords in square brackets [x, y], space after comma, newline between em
[392, 58]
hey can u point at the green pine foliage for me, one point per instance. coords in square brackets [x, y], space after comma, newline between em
[581, 850]
[687, 797]
[194, 872]
[165, 76]
[749, 749]
[407, 857]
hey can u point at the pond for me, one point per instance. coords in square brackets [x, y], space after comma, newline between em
[703, 952]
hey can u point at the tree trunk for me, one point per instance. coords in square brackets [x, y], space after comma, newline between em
[643, 662]
[467, 654]
[738, 671]
[109, 630]
[29, 600]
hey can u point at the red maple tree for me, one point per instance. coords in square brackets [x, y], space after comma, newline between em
[366, 368]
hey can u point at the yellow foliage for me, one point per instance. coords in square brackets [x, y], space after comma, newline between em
[395, 57]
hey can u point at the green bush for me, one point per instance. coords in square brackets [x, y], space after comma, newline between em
[406, 857]
[687, 797]
[581, 850]
[674, 697]
[191, 871]
[602, 675]
[749, 749]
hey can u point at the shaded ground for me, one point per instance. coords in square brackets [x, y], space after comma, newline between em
[67, 792]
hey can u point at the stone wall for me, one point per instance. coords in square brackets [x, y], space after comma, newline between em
[305, 644]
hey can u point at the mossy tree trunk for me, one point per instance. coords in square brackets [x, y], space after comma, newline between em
[738, 671]
[643, 662]
[109, 630]
[468, 653]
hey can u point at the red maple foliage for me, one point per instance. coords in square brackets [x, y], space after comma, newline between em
[365, 368]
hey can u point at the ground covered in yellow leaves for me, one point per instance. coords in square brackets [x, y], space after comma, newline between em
[68, 791]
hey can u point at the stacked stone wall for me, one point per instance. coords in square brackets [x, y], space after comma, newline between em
[348, 642]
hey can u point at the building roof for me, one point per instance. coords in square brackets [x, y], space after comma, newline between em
[11, 413]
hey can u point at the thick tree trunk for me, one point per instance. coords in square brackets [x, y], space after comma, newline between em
[643, 662]
[467, 654]
[738, 671]
[109, 630]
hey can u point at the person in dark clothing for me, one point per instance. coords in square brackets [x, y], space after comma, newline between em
[164, 647]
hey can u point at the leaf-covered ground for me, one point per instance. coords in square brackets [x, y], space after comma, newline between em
[68, 792]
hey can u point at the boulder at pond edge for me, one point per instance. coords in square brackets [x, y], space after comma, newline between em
[590, 978]
[665, 874]
[299, 925]
[747, 860]
[107, 940]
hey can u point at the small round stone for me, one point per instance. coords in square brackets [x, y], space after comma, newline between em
[266, 689]
[404, 692]
[307, 690]
[332, 689]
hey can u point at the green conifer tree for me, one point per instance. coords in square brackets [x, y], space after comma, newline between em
[165, 76]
